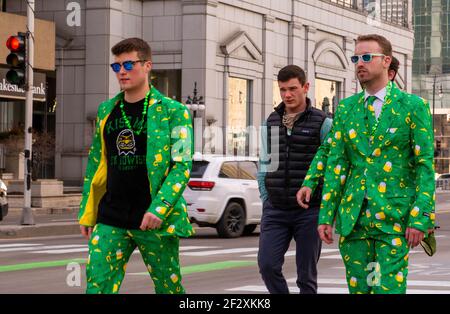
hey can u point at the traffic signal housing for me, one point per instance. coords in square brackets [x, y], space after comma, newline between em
[16, 59]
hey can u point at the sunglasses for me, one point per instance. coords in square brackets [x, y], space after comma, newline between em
[127, 65]
[367, 57]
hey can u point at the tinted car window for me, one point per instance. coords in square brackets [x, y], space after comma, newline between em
[198, 168]
[248, 170]
[229, 170]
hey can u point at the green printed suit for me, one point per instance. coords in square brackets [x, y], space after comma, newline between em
[168, 162]
[379, 180]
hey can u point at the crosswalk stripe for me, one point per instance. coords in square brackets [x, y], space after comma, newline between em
[292, 253]
[320, 290]
[185, 248]
[334, 256]
[410, 282]
[191, 247]
[330, 290]
[217, 252]
[18, 249]
[18, 245]
[329, 251]
[288, 253]
[65, 249]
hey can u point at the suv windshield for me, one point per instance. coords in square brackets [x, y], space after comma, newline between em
[199, 168]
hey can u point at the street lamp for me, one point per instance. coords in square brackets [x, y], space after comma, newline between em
[440, 94]
[195, 104]
[434, 96]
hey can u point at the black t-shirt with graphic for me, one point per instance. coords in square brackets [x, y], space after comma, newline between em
[127, 195]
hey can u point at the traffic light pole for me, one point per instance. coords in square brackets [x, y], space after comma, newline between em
[27, 214]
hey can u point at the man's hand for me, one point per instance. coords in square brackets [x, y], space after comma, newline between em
[326, 233]
[413, 236]
[150, 221]
[303, 196]
[86, 232]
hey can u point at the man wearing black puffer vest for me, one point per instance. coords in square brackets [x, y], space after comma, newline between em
[293, 134]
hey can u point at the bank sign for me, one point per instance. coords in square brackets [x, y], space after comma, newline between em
[12, 91]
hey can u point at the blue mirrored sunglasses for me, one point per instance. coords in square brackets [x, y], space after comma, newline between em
[367, 57]
[127, 65]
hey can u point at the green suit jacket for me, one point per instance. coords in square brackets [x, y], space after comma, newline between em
[168, 160]
[395, 171]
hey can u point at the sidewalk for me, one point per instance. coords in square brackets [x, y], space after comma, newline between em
[48, 222]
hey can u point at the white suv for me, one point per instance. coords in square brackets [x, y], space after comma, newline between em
[3, 201]
[223, 193]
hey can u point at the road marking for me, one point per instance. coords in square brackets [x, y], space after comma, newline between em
[191, 247]
[70, 248]
[18, 245]
[28, 266]
[320, 290]
[65, 249]
[292, 253]
[218, 252]
[41, 248]
[334, 256]
[200, 268]
[344, 290]
[191, 269]
[413, 283]
[288, 253]
[62, 251]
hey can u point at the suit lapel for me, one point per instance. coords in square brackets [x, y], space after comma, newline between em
[355, 126]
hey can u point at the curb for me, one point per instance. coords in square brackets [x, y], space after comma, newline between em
[39, 230]
[45, 210]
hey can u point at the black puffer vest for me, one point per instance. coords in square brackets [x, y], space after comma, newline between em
[295, 154]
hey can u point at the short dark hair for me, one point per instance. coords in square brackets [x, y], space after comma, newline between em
[133, 44]
[385, 44]
[292, 71]
[395, 64]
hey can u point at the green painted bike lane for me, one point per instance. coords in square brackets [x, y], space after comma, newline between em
[186, 270]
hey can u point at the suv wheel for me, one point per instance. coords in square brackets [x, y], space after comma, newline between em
[248, 230]
[232, 223]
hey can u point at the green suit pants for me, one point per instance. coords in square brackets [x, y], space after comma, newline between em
[110, 249]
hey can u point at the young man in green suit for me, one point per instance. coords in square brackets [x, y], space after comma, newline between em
[379, 175]
[138, 166]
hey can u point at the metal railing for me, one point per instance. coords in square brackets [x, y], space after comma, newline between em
[391, 11]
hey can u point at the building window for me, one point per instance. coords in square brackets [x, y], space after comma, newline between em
[12, 115]
[346, 3]
[326, 96]
[238, 116]
[167, 82]
[392, 11]
[276, 94]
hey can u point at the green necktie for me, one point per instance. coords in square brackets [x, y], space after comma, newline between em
[370, 114]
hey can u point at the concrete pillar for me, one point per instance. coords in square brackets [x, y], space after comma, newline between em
[267, 51]
[310, 67]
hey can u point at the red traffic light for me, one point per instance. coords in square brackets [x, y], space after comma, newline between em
[15, 43]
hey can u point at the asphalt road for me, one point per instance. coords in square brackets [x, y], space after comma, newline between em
[209, 265]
